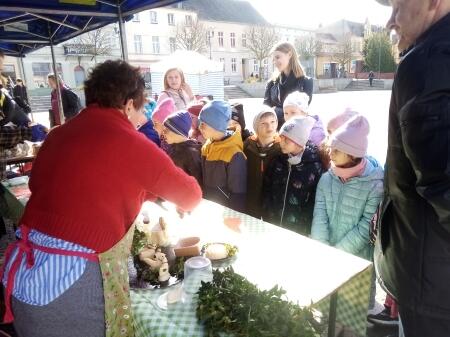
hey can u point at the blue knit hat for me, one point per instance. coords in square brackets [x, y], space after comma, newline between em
[216, 114]
[179, 122]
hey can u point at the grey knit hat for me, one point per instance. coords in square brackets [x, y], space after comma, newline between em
[264, 109]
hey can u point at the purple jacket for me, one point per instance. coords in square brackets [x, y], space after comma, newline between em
[317, 132]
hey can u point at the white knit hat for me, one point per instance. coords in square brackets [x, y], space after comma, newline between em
[352, 137]
[298, 129]
[298, 99]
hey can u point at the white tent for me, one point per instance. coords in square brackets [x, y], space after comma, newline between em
[204, 76]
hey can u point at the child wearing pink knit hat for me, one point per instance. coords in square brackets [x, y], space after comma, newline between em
[340, 119]
[333, 124]
[349, 193]
[163, 109]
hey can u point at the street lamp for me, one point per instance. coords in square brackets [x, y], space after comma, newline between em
[379, 52]
[210, 34]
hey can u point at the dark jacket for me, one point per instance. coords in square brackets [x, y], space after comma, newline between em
[148, 130]
[21, 97]
[70, 102]
[187, 156]
[237, 114]
[258, 159]
[413, 248]
[225, 172]
[10, 111]
[294, 187]
[277, 91]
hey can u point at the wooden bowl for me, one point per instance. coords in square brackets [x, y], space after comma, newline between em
[188, 247]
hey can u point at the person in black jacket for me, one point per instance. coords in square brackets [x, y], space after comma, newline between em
[10, 111]
[412, 253]
[185, 152]
[291, 179]
[237, 121]
[70, 101]
[21, 96]
[290, 77]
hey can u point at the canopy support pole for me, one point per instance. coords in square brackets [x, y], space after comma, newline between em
[24, 78]
[122, 33]
[55, 71]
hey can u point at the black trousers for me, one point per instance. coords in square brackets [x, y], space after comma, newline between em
[418, 325]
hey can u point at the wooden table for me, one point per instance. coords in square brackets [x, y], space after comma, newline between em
[20, 161]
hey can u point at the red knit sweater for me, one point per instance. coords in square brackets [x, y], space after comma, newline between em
[93, 174]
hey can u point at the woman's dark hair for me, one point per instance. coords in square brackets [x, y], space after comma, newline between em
[112, 83]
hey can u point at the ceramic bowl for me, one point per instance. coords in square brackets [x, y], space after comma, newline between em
[188, 247]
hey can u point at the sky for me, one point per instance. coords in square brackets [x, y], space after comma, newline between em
[311, 13]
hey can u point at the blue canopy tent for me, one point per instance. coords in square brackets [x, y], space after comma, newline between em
[27, 25]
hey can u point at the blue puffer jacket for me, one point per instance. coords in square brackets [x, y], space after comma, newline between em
[343, 211]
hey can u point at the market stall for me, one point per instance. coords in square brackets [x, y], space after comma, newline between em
[309, 272]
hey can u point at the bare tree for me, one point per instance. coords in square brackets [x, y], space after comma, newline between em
[308, 48]
[260, 41]
[343, 51]
[191, 36]
[95, 43]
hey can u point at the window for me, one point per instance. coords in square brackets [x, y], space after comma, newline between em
[327, 69]
[222, 60]
[171, 19]
[153, 17]
[188, 20]
[136, 17]
[138, 44]
[244, 40]
[233, 65]
[172, 44]
[220, 35]
[233, 40]
[255, 65]
[155, 42]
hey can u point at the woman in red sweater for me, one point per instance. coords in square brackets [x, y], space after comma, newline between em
[88, 183]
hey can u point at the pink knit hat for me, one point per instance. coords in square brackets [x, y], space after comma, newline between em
[338, 120]
[351, 138]
[164, 109]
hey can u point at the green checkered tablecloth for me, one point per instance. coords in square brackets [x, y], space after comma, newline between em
[178, 321]
[309, 271]
[16, 198]
[351, 280]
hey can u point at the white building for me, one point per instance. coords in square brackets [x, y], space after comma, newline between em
[73, 61]
[228, 22]
[292, 34]
[151, 34]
